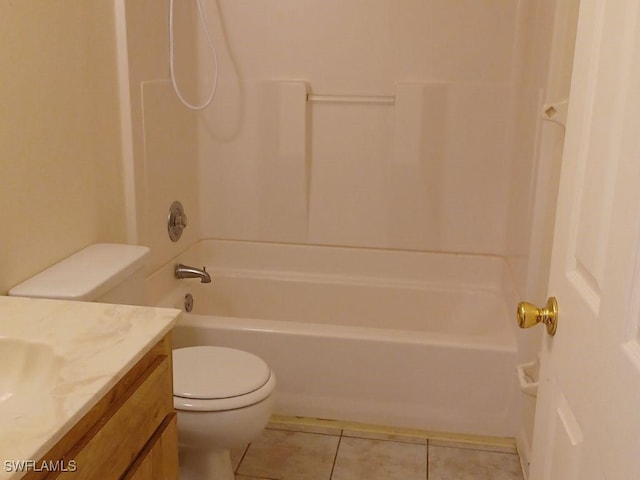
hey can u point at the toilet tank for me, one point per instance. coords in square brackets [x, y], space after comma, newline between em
[103, 272]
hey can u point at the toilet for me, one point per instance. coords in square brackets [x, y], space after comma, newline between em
[223, 397]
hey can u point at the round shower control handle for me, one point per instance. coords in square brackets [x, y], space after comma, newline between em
[177, 221]
[529, 315]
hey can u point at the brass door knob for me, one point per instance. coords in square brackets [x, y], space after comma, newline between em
[529, 315]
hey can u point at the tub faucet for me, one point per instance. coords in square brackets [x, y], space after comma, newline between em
[184, 271]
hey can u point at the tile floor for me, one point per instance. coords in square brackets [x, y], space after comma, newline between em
[294, 451]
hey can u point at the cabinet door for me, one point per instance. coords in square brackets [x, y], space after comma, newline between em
[105, 453]
[159, 458]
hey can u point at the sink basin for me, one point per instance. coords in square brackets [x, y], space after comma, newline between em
[27, 370]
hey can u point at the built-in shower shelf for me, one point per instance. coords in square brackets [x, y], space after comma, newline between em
[528, 374]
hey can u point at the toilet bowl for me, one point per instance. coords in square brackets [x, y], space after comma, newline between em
[224, 398]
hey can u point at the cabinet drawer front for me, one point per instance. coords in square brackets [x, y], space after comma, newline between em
[109, 448]
[159, 459]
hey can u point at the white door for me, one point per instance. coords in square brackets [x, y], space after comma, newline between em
[588, 411]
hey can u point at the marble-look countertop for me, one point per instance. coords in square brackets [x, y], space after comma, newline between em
[93, 345]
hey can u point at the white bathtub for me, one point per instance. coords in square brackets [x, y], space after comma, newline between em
[393, 338]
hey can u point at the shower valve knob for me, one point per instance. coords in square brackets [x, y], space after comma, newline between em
[177, 221]
[181, 221]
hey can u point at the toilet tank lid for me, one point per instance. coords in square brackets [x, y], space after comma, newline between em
[85, 275]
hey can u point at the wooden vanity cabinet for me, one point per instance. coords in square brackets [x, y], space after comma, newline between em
[130, 434]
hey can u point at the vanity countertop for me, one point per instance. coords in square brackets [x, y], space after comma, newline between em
[93, 346]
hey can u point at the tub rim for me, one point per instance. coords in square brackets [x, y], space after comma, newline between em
[333, 331]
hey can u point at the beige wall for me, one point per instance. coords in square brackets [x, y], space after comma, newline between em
[60, 153]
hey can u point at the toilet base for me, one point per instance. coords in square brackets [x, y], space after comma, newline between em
[211, 464]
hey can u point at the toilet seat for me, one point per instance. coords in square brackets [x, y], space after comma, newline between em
[208, 378]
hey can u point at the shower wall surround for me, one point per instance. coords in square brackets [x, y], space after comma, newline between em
[163, 132]
[429, 172]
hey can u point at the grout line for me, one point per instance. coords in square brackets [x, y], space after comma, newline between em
[244, 454]
[335, 458]
[428, 442]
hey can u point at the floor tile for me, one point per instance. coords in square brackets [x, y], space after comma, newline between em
[284, 455]
[447, 463]
[368, 459]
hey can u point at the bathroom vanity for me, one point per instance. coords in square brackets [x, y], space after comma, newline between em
[86, 391]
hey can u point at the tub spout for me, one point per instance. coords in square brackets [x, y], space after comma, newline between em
[185, 271]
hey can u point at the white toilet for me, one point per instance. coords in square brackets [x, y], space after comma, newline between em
[224, 397]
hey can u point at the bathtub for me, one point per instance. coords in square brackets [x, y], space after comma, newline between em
[396, 338]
